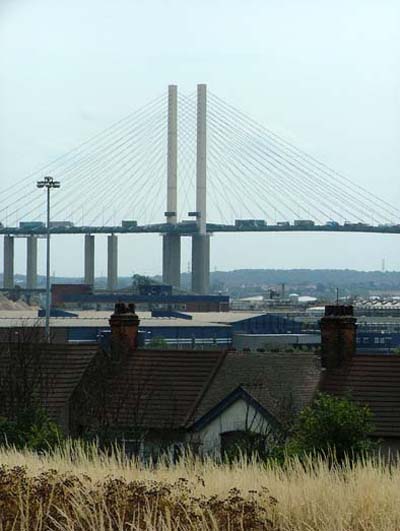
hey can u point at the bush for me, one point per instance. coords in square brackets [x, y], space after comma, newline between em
[32, 429]
[333, 425]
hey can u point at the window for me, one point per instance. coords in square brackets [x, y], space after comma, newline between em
[239, 442]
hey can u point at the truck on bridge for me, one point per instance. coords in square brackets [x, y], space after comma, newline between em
[61, 224]
[351, 224]
[250, 223]
[303, 223]
[129, 224]
[31, 225]
[332, 224]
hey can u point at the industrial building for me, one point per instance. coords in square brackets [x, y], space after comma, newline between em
[83, 296]
[178, 329]
[178, 324]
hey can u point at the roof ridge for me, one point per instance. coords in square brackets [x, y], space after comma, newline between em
[206, 386]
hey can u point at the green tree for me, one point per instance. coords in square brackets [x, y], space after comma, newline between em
[25, 384]
[32, 429]
[141, 280]
[334, 425]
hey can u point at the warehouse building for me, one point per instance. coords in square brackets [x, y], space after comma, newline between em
[166, 328]
[213, 329]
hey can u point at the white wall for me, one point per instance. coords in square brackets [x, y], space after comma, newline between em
[238, 416]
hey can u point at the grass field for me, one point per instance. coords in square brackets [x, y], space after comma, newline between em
[75, 490]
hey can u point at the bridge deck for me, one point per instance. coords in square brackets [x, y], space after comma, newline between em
[186, 229]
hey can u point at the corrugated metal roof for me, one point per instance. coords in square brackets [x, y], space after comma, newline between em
[78, 322]
[224, 317]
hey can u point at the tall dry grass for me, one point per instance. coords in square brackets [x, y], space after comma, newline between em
[79, 489]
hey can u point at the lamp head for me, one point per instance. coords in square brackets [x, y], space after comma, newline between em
[48, 182]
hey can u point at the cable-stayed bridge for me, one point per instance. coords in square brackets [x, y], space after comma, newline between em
[184, 165]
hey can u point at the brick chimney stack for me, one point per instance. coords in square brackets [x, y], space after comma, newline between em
[124, 324]
[338, 336]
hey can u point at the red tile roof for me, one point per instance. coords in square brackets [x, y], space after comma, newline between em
[279, 382]
[62, 366]
[160, 389]
[373, 380]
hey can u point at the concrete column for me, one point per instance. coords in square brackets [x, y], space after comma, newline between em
[31, 262]
[8, 270]
[201, 159]
[172, 259]
[201, 241]
[112, 262]
[172, 156]
[89, 259]
[200, 263]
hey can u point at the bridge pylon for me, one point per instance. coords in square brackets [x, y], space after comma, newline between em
[112, 262]
[201, 241]
[8, 271]
[171, 261]
[89, 260]
[200, 263]
[31, 262]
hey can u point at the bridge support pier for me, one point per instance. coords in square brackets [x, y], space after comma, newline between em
[112, 262]
[31, 262]
[89, 260]
[8, 270]
[200, 263]
[172, 259]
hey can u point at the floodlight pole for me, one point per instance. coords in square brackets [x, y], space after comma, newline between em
[48, 268]
[49, 183]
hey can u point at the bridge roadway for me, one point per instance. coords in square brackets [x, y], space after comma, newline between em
[171, 234]
[188, 229]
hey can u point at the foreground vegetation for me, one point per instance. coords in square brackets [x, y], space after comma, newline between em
[77, 488]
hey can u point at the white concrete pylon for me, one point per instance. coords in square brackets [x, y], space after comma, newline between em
[8, 271]
[172, 160]
[172, 242]
[112, 262]
[31, 262]
[89, 259]
[201, 162]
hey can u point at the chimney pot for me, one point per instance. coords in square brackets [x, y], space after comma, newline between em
[124, 324]
[338, 336]
[339, 310]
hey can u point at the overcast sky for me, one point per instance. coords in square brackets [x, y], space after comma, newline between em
[325, 74]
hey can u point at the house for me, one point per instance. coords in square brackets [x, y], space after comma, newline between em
[370, 379]
[191, 397]
[254, 391]
[32, 371]
[205, 399]
[141, 393]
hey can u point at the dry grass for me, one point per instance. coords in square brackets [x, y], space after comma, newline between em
[77, 490]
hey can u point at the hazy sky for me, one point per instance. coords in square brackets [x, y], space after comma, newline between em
[325, 74]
